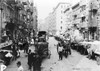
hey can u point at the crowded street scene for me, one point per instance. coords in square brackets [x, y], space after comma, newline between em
[49, 35]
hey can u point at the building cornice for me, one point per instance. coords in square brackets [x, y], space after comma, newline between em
[59, 4]
[76, 5]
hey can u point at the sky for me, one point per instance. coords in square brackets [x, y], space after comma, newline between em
[44, 7]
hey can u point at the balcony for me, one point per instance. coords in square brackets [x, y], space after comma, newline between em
[20, 6]
[9, 2]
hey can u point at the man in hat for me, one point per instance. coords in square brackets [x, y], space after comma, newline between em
[30, 57]
[8, 57]
[59, 50]
[2, 66]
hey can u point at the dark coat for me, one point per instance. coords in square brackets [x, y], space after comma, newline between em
[30, 58]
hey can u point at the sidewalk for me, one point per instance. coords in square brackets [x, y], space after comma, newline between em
[13, 66]
[87, 65]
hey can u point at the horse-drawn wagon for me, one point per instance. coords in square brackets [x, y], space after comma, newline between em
[42, 45]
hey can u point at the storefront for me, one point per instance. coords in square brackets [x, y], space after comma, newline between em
[92, 33]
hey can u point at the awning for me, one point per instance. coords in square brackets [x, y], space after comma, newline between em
[92, 29]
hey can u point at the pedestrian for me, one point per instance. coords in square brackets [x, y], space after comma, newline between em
[30, 58]
[69, 48]
[14, 53]
[65, 46]
[26, 46]
[8, 57]
[37, 63]
[34, 61]
[59, 50]
[2, 66]
[20, 68]
[18, 53]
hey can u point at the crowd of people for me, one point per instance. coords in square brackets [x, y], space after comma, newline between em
[63, 49]
[34, 60]
[11, 52]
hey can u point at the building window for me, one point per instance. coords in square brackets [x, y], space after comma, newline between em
[64, 6]
[83, 19]
[61, 22]
[3, 15]
[61, 17]
[75, 16]
[97, 17]
[61, 27]
[61, 11]
[61, 6]
[83, 8]
[87, 20]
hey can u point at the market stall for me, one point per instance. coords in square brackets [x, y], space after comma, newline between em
[93, 49]
[6, 44]
[6, 53]
[94, 46]
[6, 56]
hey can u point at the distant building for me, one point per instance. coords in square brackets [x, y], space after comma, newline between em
[59, 15]
[51, 22]
[85, 16]
[35, 19]
[21, 12]
[68, 18]
[8, 11]
[56, 19]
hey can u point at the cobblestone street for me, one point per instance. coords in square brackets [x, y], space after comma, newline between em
[74, 62]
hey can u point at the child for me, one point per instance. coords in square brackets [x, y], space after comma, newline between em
[20, 68]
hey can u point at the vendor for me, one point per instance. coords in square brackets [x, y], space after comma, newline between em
[8, 58]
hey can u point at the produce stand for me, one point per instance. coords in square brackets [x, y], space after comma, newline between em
[6, 44]
[94, 47]
[6, 56]
[5, 50]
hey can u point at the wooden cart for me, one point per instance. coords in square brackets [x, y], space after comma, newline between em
[42, 45]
